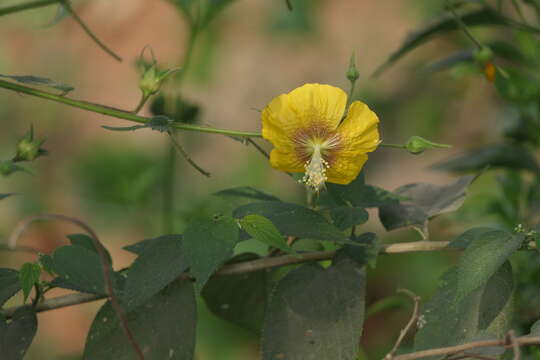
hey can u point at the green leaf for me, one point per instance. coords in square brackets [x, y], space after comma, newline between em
[316, 313]
[9, 284]
[28, 277]
[508, 156]
[457, 58]
[155, 267]
[359, 194]
[79, 269]
[36, 80]
[141, 246]
[469, 236]
[345, 217]
[87, 242]
[365, 251]
[535, 329]
[240, 298]
[482, 258]
[8, 167]
[214, 8]
[425, 201]
[293, 220]
[3, 196]
[164, 328]
[46, 262]
[207, 244]
[518, 86]
[483, 314]
[262, 229]
[16, 337]
[445, 24]
[247, 192]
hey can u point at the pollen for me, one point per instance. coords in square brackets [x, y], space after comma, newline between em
[315, 174]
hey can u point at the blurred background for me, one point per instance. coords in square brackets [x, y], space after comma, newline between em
[250, 53]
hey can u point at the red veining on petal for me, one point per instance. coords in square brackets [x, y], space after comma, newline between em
[304, 140]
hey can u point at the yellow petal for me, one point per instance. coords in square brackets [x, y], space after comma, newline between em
[345, 169]
[359, 135]
[308, 105]
[359, 131]
[317, 104]
[285, 161]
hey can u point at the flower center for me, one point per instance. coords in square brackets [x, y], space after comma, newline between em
[318, 153]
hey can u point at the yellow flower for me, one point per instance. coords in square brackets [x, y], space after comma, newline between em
[306, 128]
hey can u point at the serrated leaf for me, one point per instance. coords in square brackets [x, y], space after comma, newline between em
[365, 252]
[293, 220]
[426, 201]
[247, 192]
[16, 337]
[37, 80]
[508, 156]
[140, 246]
[483, 257]
[207, 244]
[164, 328]
[87, 242]
[345, 217]
[28, 276]
[359, 194]
[46, 262]
[316, 313]
[262, 229]
[483, 314]
[155, 267]
[240, 298]
[9, 284]
[79, 269]
[447, 23]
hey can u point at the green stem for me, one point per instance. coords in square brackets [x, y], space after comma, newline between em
[168, 191]
[28, 6]
[89, 32]
[113, 112]
[463, 26]
[395, 146]
[144, 99]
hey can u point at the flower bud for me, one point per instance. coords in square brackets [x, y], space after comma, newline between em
[151, 76]
[483, 55]
[352, 73]
[417, 145]
[29, 149]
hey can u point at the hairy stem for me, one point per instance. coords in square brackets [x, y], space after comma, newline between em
[114, 112]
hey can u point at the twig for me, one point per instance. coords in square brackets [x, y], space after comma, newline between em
[186, 155]
[467, 355]
[69, 8]
[449, 350]
[515, 346]
[258, 147]
[25, 224]
[289, 5]
[251, 266]
[28, 6]
[463, 26]
[412, 321]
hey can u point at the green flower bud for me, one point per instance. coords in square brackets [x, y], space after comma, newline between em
[29, 149]
[417, 145]
[483, 55]
[352, 73]
[152, 77]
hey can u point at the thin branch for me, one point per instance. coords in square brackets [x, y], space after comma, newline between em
[186, 156]
[467, 355]
[463, 26]
[86, 29]
[251, 266]
[113, 112]
[259, 148]
[449, 350]
[412, 321]
[515, 346]
[28, 6]
[24, 224]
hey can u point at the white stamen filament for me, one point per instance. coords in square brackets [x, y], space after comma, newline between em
[315, 175]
